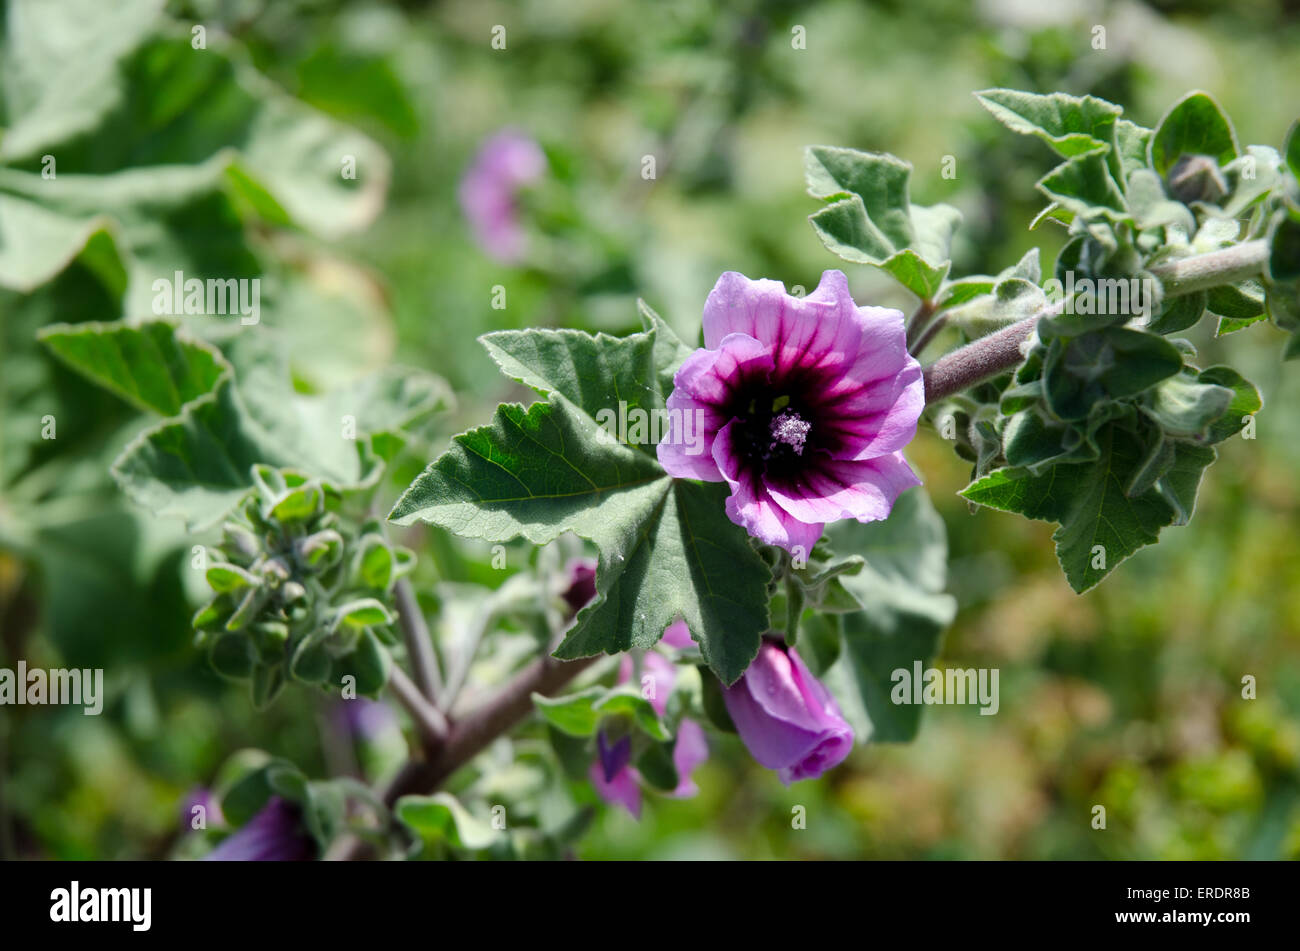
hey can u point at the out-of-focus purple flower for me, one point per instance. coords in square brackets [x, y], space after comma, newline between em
[199, 796]
[786, 717]
[363, 719]
[275, 834]
[579, 584]
[803, 403]
[504, 163]
[621, 789]
[615, 780]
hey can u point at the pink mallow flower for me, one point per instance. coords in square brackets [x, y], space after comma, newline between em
[786, 717]
[488, 192]
[804, 405]
[611, 773]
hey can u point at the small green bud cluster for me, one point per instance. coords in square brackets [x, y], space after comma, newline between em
[300, 593]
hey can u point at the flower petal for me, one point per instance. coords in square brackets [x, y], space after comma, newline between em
[832, 489]
[751, 507]
[621, 790]
[702, 386]
[786, 717]
[690, 750]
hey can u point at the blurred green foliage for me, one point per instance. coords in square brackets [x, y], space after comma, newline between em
[1129, 697]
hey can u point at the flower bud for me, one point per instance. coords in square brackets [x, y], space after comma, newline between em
[1197, 178]
[786, 717]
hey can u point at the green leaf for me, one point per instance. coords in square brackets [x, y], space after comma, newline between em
[1084, 186]
[1185, 407]
[376, 564]
[1195, 125]
[596, 374]
[913, 272]
[847, 230]
[1284, 245]
[669, 349]
[197, 466]
[656, 766]
[1245, 401]
[363, 612]
[441, 819]
[666, 546]
[1099, 524]
[879, 180]
[1130, 147]
[232, 655]
[1291, 149]
[573, 714]
[1237, 306]
[1152, 208]
[625, 701]
[1179, 313]
[226, 577]
[370, 664]
[1114, 362]
[150, 365]
[872, 221]
[300, 504]
[267, 684]
[904, 612]
[1072, 125]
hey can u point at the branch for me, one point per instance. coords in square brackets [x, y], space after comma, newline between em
[470, 736]
[424, 663]
[428, 719]
[998, 352]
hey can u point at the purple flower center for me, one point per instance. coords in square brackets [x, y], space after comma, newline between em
[790, 429]
[776, 431]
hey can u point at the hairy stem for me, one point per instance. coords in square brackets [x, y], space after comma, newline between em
[998, 352]
[429, 720]
[916, 325]
[424, 663]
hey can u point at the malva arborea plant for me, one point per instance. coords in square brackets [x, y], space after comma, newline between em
[748, 582]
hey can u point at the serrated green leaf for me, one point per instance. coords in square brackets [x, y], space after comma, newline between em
[879, 180]
[914, 273]
[600, 374]
[150, 365]
[666, 546]
[1084, 186]
[1099, 524]
[1071, 125]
